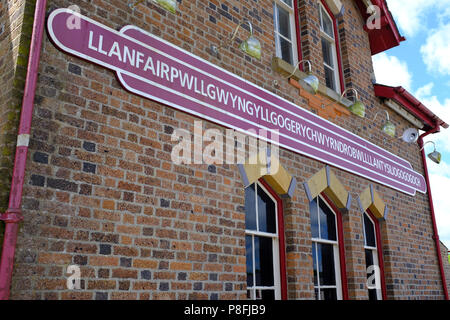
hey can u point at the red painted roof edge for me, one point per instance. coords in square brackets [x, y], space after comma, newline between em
[410, 103]
[389, 34]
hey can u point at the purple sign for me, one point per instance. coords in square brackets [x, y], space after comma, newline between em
[158, 70]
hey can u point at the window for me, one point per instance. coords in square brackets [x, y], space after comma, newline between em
[285, 32]
[262, 244]
[325, 251]
[371, 252]
[329, 50]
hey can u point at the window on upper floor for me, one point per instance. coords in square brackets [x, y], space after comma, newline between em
[285, 31]
[325, 251]
[329, 41]
[262, 244]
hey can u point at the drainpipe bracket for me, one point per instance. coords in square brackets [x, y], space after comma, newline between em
[12, 216]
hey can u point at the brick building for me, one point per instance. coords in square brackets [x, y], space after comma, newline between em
[101, 192]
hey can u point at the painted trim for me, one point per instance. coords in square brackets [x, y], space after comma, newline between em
[337, 44]
[298, 33]
[340, 229]
[325, 181]
[379, 253]
[281, 238]
[244, 176]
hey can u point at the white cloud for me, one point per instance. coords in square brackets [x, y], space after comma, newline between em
[389, 70]
[411, 14]
[436, 50]
[408, 14]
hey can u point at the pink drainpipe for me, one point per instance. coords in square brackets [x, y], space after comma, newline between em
[13, 214]
[433, 217]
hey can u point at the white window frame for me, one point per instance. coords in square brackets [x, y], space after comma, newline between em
[275, 248]
[374, 251]
[293, 30]
[332, 42]
[337, 266]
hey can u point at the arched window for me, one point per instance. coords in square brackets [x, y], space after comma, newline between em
[373, 256]
[263, 243]
[326, 250]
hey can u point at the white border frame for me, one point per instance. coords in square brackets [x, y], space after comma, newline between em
[293, 30]
[373, 250]
[337, 261]
[332, 42]
[275, 247]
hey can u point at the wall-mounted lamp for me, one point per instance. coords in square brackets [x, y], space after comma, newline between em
[410, 135]
[169, 5]
[311, 80]
[357, 108]
[434, 156]
[251, 46]
[388, 127]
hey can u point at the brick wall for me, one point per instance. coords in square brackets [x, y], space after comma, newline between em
[101, 191]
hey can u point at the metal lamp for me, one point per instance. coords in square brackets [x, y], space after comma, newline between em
[434, 156]
[251, 46]
[311, 80]
[357, 108]
[388, 127]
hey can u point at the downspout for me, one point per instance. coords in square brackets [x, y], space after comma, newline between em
[13, 214]
[433, 217]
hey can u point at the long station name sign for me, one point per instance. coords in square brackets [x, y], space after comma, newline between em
[158, 70]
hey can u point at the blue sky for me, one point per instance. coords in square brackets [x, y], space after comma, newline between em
[421, 64]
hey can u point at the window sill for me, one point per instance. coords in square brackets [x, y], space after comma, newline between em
[285, 69]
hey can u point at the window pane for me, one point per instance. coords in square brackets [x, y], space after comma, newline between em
[267, 294]
[286, 50]
[327, 222]
[249, 259]
[369, 228]
[314, 255]
[329, 78]
[328, 294]
[288, 2]
[370, 262]
[263, 261]
[266, 212]
[373, 295]
[314, 219]
[326, 23]
[327, 52]
[326, 264]
[250, 208]
[284, 27]
[369, 258]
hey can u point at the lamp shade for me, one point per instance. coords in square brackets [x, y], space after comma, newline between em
[435, 157]
[389, 128]
[358, 108]
[169, 5]
[252, 47]
[313, 83]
